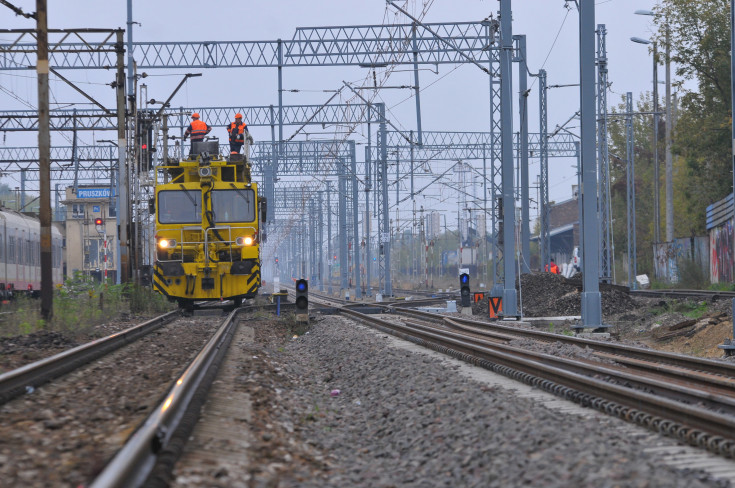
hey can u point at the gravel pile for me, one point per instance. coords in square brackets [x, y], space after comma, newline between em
[547, 294]
[366, 414]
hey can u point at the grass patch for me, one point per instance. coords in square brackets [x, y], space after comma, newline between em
[722, 287]
[79, 304]
[693, 310]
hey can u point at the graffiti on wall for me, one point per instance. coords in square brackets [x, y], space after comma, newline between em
[721, 253]
[665, 256]
[668, 257]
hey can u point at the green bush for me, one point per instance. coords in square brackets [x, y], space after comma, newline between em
[691, 309]
[81, 303]
[692, 276]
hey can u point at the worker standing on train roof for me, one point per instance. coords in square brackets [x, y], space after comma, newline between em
[238, 130]
[197, 130]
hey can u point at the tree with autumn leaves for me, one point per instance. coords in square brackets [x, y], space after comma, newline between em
[699, 35]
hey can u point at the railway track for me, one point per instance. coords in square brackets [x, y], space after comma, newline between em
[676, 293]
[150, 454]
[122, 402]
[27, 378]
[61, 432]
[688, 398]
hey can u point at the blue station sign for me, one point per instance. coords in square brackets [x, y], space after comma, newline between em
[94, 193]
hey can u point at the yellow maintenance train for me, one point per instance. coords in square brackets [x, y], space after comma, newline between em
[207, 237]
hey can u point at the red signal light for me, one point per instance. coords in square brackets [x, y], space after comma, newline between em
[97, 221]
[144, 146]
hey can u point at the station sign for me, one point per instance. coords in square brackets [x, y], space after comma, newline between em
[94, 193]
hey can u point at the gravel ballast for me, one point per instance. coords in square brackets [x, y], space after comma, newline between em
[358, 411]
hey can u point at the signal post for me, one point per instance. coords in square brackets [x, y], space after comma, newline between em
[464, 293]
[302, 300]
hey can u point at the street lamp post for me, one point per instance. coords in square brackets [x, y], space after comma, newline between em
[669, 157]
[656, 179]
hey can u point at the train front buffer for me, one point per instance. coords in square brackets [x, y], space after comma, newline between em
[196, 268]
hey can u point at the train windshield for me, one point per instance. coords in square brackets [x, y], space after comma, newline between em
[179, 206]
[236, 205]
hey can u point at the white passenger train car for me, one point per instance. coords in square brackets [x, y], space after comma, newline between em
[20, 254]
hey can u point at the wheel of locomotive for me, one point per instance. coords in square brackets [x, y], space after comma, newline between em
[186, 305]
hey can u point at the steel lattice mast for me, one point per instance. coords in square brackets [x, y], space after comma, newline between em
[603, 158]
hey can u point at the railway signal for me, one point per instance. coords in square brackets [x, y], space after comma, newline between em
[302, 297]
[464, 289]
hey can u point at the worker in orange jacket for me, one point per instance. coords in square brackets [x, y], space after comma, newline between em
[198, 129]
[238, 131]
[552, 267]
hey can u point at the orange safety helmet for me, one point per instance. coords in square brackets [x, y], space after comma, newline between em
[195, 115]
[238, 116]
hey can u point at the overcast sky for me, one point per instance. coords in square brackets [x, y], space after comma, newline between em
[454, 99]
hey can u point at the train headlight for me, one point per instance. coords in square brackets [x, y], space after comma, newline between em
[167, 243]
[244, 241]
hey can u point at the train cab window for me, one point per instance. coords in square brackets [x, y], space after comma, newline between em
[77, 211]
[179, 206]
[236, 205]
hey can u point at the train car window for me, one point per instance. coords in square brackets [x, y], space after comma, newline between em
[11, 249]
[236, 205]
[179, 206]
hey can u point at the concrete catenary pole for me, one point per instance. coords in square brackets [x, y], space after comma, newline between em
[123, 199]
[44, 160]
[732, 88]
[656, 178]
[669, 163]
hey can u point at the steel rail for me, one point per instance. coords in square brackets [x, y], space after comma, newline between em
[678, 293]
[721, 400]
[154, 447]
[21, 380]
[693, 424]
[673, 359]
[719, 382]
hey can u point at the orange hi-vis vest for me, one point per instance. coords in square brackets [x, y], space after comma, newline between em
[553, 268]
[198, 130]
[237, 131]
